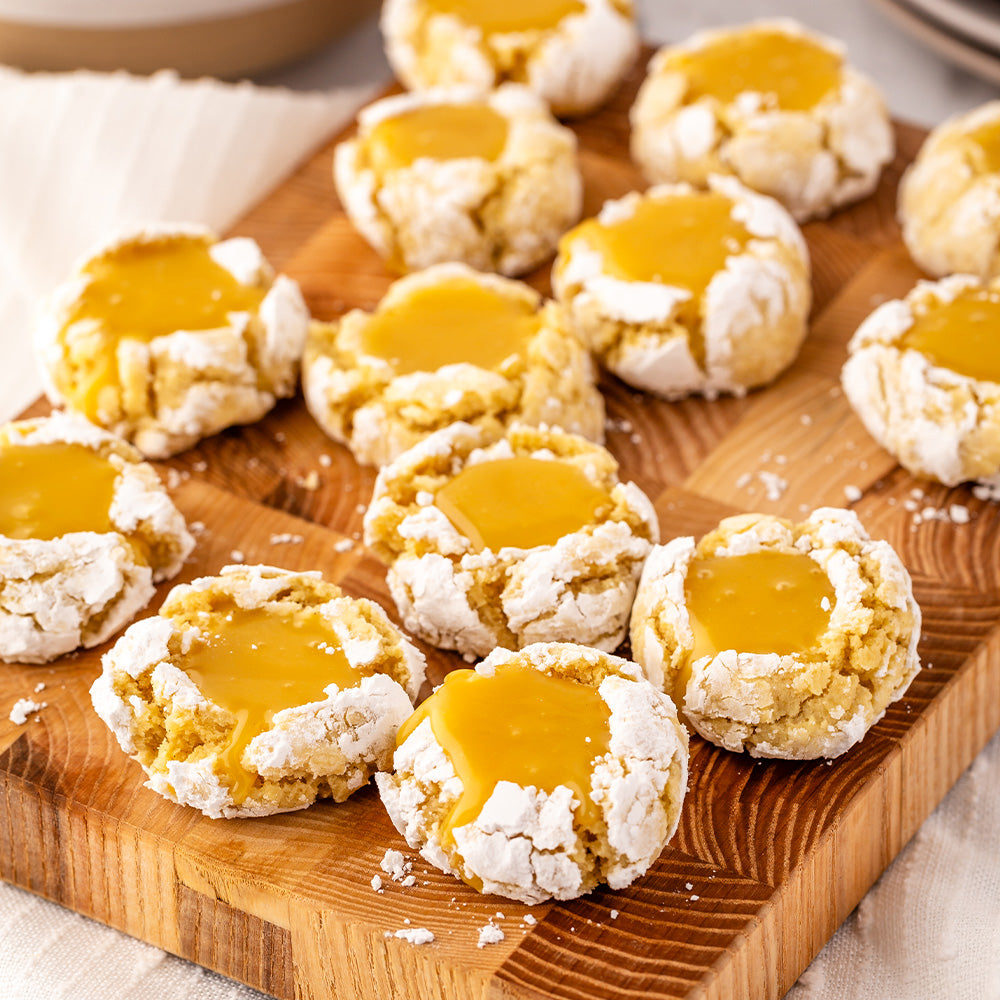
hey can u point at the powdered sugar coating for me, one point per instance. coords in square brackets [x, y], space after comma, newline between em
[526, 843]
[167, 394]
[328, 747]
[935, 421]
[815, 703]
[580, 588]
[812, 161]
[573, 66]
[949, 200]
[358, 398]
[752, 316]
[79, 588]
[502, 215]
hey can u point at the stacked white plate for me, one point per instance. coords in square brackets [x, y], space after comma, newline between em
[966, 32]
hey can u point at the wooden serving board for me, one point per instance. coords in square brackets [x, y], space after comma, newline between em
[770, 857]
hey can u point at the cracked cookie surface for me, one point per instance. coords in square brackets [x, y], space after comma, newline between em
[369, 382]
[457, 593]
[797, 702]
[815, 134]
[572, 53]
[259, 691]
[169, 335]
[680, 291]
[949, 197]
[561, 768]
[86, 530]
[490, 180]
[922, 375]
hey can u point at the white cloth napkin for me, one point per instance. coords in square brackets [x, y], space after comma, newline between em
[83, 155]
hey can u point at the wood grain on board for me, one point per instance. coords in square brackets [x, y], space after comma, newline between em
[770, 856]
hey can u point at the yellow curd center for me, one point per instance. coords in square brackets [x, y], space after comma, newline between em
[519, 725]
[495, 17]
[520, 502]
[448, 323]
[962, 335]
[257, 664]
[793, 73]
[48, 490]
[140, 291]
[763, 602]
[439, 131]
[984, 147]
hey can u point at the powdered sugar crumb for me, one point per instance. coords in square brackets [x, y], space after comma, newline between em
[24, 707]
[489, 934]
[377, 883]
[852, 493]
[413, 935]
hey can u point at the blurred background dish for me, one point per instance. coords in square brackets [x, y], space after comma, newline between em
[222, 38]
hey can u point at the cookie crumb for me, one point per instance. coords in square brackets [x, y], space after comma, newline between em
[285, 538]
[958, 513]
[613, 914]
[395, 865]
[40, 686]
[530, 919]
[852, 493]
[325, 461]
[344, 545]
[489, 934]
[24, 707]
[413, 935]
[774, 485]
[377, 883]
[237, 556]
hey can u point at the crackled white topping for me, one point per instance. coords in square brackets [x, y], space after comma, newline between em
[489, 179]
[166, 335]
[76, 566]
[578, 585]
[381, 387]
[331, 720]
[949, 197]
[816, 701]
[572, 53]
[681, 291]
[815, 134]
[920, 375]
[536, 838]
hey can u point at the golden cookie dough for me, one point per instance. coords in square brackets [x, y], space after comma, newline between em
[949, 198]
[780, 639]
[496, 539]
[681, 290]
[924, 377]
[490, 180]
[443, 345]
[541, 773]
[572, 53]
[86, 530]
[771, 102]
[259, 691]
[167, 336]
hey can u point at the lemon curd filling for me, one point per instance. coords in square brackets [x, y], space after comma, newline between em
[962, 335]
[520, 502]
[983, 145]
[438, 131]
[762, 602]
[793, 73]
[494, 17]
[140, 291]
[679, 240]
[519, 725]
[448, 323]
[259, 662]
[48, 490]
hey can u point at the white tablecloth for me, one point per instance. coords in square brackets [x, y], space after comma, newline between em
[83, 156]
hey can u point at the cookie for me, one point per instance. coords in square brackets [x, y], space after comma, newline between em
[949, 197]
[572, 53]
[490, 180]
[167, 336]
[506, 539]
[680, 290]
[540, 774]
[259, 691]
[86, 530]
[778, 639]
[771, 102]
[444, 345]
[924, 377]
